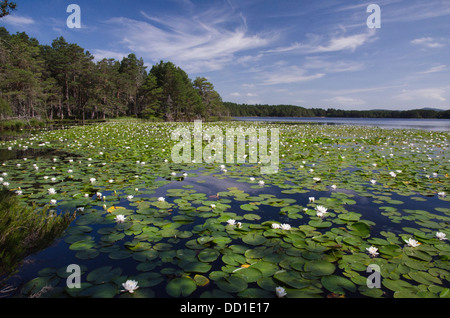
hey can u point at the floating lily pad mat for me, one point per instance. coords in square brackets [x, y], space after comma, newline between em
[344, 198]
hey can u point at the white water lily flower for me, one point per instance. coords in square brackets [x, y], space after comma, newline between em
[161, 199]
[321, 209]
[252, 179]
[19, 192]
[373, 251]
[441, 194]
[173, 173]
[286, 227]
[412, 242]
[92, 180]
[316, 179]
[275, 226]
[393, 174]
[231, 222]
[130, 286]
[51, 191]
[52, 201]
[261, 182]
[213, 206]
[280, 292]
[441, 236]
[130, 197]
[373, 181]
[120, 218]
[333, 187]
[311, 199]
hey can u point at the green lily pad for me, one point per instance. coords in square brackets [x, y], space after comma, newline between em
[319, 267]
[338, 284]
[181, 287]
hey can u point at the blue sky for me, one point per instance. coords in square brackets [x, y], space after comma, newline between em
[307, 53]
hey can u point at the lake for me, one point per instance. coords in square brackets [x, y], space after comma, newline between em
[213, 230]
[389, 123]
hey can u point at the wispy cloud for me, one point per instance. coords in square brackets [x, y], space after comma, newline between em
[317, 44]
[345, 101]
[287, 75]
[428, 42]
[434, 93]
[17, 20]
[339, 43]
[204, 41]
[434, 69]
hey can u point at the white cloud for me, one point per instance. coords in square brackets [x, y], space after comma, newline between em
[334, 66]
[105, 54]
[286, 75]
[435, 69]
[336, 43]
[17, 20]
[436, 93]
[198, 43]
[428, 42]
[345, 101]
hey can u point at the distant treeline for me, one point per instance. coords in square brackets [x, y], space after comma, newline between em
[244, 110]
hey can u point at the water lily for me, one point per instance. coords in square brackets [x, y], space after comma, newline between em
[280, 292]
[373, 251]
[130, 286]
[286, 227]
[213, 206]
[393, 174]
[161, 199]
[92, 180]
[441, 194]
[412, 242]
[19, 192]
[51, 191]
[275, 226]
[231, 222]
[52, 201]
[130, 197]
[261, 182]
[120, 218]
[373, 181]
[311, 199]
[321, 210]
[441, 236]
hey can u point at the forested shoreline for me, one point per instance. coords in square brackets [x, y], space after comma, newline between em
[63, 81]
[244, 110]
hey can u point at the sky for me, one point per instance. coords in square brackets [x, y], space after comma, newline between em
[316, 54]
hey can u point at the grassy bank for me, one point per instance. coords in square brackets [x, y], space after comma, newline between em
[24, 230]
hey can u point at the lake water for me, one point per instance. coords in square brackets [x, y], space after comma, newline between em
[389, 123]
